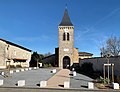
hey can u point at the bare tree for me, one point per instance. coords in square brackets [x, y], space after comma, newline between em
[112, 46]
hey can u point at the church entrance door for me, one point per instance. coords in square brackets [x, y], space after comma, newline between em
[66, 62]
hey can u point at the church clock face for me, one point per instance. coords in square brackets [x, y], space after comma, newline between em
[65, 30]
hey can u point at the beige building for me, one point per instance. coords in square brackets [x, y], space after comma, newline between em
[13, 54]
[67, 54]
[83, 55]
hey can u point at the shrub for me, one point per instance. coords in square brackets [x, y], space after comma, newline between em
[87, 68]
[18, 66]
[12, 66]
[47, 65]
[101, 79]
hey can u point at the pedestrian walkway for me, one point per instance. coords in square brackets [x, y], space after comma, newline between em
[57, 81]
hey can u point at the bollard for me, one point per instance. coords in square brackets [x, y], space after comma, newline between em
[90, 85]
[43, 83]
[22, 70]
[35, 68]
[21, 83]
[30, 68]
[26, 69]
[115, 86]
[53, 71]
[2, 73]
[1, 82]
[74, 73]
[11, 71]
[66, 84]
[17, 71]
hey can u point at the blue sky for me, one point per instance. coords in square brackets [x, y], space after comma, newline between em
[34, 23]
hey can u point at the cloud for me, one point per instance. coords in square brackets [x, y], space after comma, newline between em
[90, 37]
[107, 16]
[85, 33]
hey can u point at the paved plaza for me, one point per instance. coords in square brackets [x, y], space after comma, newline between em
[55, 81]
[33, 77]
[80, 81]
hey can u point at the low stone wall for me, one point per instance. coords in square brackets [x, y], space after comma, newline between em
[98, 63]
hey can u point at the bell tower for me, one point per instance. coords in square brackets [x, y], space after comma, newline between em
[66, 42]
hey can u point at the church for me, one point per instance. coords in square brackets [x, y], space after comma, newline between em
[66, 55]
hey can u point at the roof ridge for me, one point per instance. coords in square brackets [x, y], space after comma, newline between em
[11, 43]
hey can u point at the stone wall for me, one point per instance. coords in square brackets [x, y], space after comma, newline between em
[75, 60]
[2, 55]
[18, 53]
[99, 62]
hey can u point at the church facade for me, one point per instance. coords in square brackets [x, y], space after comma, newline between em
[66, 54]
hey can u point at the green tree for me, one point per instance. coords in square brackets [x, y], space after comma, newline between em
[35, 59]
[41, 56]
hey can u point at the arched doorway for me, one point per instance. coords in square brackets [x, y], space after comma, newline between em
[66, 62]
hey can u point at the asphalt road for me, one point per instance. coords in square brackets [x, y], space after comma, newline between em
[16, 89]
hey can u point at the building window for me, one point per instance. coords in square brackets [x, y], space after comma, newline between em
[64, 37]
[68, 36]
[8, 47]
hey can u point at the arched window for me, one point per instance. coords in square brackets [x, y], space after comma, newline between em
[64, 37]
[68, 36]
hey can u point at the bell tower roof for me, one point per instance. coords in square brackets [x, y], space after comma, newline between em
[66, 19]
